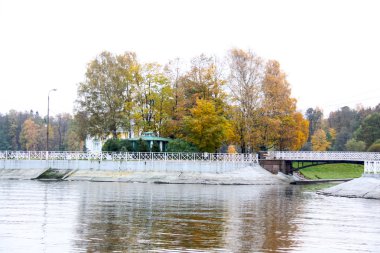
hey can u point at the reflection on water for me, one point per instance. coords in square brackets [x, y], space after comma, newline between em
[120, 217]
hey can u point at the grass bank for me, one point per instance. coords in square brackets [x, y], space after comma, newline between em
[333, 171]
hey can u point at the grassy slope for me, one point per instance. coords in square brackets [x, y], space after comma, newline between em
[333, 171]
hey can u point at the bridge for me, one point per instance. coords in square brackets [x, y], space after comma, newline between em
[283, 160]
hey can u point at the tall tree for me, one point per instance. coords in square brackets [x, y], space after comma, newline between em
[5, 142]
[280, 118]
[152, 99]
[245, 80]
[173, 126]
[106, 93]
[29, 135]
[204, 81]
[315, 118]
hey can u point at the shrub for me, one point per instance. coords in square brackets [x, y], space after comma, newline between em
[111, 145]
[125, 146]
[354, 145]
[375, 147]
[156, 147]
[178, 145]
[142, 146]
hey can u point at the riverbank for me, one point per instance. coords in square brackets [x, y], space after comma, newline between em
[332, 171]
[364, 187]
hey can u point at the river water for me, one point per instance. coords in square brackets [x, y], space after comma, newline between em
[38, 216]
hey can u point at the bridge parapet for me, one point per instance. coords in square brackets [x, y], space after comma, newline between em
[323, 156]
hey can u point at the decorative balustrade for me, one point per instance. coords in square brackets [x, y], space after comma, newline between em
[126, 156]
[372, 167]
[323, 156]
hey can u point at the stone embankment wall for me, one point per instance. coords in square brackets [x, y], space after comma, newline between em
[24, 169]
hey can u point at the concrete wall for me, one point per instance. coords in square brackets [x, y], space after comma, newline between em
[157, 166]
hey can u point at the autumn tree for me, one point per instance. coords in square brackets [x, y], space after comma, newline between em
[245, 80]
[153, 98]
[319, 141]
[204, 81]
[29, 135]
[105, 95]
[206, 127]
[173, 125]
[283, 127]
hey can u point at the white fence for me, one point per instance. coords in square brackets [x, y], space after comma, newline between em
[323, 156]
[126, 156]
[372, 167]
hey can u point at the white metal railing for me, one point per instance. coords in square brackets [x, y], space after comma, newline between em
[323, 156]
[372, 167]
[127, 156]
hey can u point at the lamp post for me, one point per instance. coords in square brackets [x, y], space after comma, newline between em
[47, 128]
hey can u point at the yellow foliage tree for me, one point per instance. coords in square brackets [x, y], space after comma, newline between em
[29, 135]
[283, 127]
[231, 149]
[319, 141]
[206, 127]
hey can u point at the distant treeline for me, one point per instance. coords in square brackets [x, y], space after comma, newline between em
[27, 131]
[344, 130]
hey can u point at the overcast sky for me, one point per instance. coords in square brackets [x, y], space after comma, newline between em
[329, 49]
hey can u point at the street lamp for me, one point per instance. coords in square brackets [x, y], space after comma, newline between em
[47, 128]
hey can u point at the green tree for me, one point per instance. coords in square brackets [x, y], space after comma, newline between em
[111, 145]
[369, 130]
[354, 145]
[5, 142]
[345, 121]
[104, 98]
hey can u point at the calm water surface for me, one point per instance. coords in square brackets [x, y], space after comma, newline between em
[40, 216]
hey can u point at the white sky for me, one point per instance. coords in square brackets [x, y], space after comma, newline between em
[329, 49]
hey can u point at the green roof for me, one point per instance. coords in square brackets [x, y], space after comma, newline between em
[149, 136]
